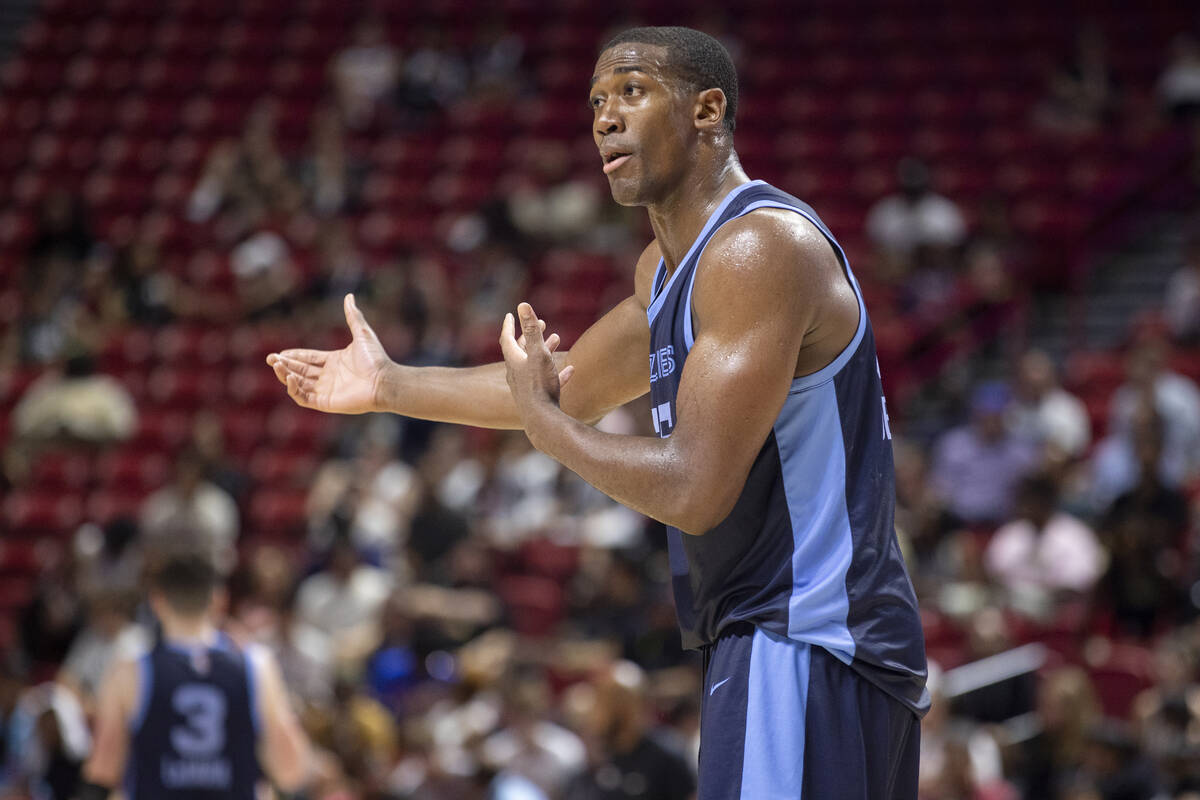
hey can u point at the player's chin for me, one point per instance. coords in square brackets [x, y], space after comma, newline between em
[625, 192]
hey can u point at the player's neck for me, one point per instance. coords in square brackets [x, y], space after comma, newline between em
[678, 220]
[189, 631]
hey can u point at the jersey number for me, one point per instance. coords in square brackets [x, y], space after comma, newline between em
[203, 733]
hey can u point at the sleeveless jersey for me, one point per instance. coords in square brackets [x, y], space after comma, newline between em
[195, 732]
[809, 551]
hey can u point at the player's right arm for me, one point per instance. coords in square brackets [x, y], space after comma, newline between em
[608, 364]
[284, 750]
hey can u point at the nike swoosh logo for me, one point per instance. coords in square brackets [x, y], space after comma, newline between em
[718, 685]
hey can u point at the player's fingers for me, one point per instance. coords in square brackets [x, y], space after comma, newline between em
[565, 374]
[553, 342]
[521, 338]
[293, 389]
[281, 371]
[508, 343]
[301, 368]
[530, 324]
[314, 357]
[354, 317]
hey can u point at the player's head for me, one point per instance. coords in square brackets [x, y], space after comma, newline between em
[660, 96]
[184, 583]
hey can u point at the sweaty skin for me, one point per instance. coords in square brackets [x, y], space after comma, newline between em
[770, 302]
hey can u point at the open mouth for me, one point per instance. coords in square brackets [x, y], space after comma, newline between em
[614, 161]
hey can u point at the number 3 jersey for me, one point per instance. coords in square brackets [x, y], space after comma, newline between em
[194, 735]
[809, 551]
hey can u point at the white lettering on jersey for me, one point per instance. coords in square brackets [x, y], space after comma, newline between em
[662, 362]
[663, 422]
[887, 427]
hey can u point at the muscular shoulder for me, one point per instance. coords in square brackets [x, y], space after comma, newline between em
[772, 240]
[643, 279]
[773, 267]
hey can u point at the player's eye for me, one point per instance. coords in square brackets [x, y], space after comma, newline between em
[632, 89]
[595, 101]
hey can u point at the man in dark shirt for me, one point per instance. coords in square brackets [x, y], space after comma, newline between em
[628, 759]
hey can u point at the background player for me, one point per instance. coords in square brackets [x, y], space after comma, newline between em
[196, 716]
[773, 449]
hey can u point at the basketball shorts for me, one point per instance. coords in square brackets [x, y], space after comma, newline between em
[784, 720]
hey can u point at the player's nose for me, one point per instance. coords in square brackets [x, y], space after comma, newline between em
[608, 120]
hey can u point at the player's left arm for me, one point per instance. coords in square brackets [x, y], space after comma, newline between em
[755, 294]
[115, 701]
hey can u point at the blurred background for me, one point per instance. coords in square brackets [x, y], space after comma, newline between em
[188, 185]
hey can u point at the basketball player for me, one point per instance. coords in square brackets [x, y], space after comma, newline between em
[772, 467]
[196, 716]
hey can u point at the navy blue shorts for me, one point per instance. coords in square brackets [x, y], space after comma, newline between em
[784, 720]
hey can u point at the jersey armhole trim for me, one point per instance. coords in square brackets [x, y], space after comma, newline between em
[804, 381]
[145, 690]
[252, 689]
[657, 301]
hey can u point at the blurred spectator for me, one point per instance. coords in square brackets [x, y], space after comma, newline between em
[365, 73]
[1150, 388]
[62, 230]
[341, 269]
[217, 182]
[521, 499]
[393, 668]
[1179, 84]
[266, 278]
[1046, 413]
[920, 515]
[1119, 769]
[1164, 715]
[192, 506]
[361, 733]
[496, 62]
[435, 76]
[976, 467]
[528, 743]
[552, 202]
[371, 497]
[1142, 529]
[626, 758]
[344, 600]
[142, 291]
[1181, 301]
[332, 180]
[12, 682]
[50, 737]
[916, 220]
[959, 758]
[110, 633]
[208, 440]
[76, 406]
[55, 613]
[1067, 709]
[1043, 553]
[1081, 93]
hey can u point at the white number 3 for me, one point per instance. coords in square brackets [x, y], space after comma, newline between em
[203, 736]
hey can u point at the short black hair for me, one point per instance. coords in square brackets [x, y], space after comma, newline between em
[187, 578]
[695, 56]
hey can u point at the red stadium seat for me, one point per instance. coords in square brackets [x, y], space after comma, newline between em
[535, 604]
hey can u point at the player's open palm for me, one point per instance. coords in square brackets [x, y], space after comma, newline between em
[342, 381]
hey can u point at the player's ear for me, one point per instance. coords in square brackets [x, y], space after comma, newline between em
[710, 108]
